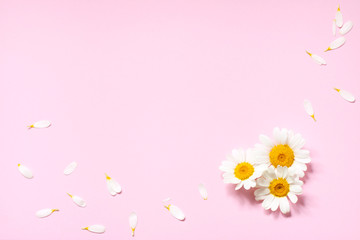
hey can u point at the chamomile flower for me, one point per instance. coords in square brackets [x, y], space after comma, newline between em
[242, 169]
[285, 151]
[275, 187]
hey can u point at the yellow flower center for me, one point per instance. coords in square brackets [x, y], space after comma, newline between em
[244, 170]
[279, 187]
[281, 155]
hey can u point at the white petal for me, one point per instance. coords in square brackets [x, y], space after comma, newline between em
[112, 185]
[309, 109]
[176, 212]
[166, 199]
[239, 185]
[203, 191]
[25, 171]
[266, 141]
[115, 186]
[70, 168]
[279, 172]
[110, 189]
[95, 228]
[262, 197]
[296, 189]
[275, 204]
[249, 184]
[284, 205]
[317, 58]
[41, 124]
[267, 201]
[296, 142]
[261, 192]
[238, 155]
[339, 18]
[346, 28]
[78, 200]
[45, 212]
[263, 182]
[334, 27]
[336, 43]
[293, 198]
[133, 222]
[346, 95]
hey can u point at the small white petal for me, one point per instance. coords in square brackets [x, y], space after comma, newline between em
[112, 185]
[334, 27]
[166, 199]
[336, 43]
[266, 141]
[41, 124]
[45, 212]
[25, 171]
[78, 200]
[293, 198]
[176, 212]
[203, 191]
[284, 205]
[249, 184]
[317, 58]
[95, 228]
[346, 95]
[309, 109]
[338, 18]
[133, 222]
[346, 28]
[70, 168]
[262, 197]
[268, 201]
[275, 204]
[263, 182]
[261, 192]
[239, 185]
[296, 189]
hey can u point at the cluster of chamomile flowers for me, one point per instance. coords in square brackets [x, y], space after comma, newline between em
[273, 166]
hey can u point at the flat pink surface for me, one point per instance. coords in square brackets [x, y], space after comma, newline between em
[156, 93]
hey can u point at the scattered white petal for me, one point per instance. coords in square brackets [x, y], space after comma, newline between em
[95, 228]
[346, 95]
[45, 212]
[41, 124]
[133, 222]
[166, 199]
[309, 109]
[203, 191]
[317, 59]
[339, 18]
[25, 171]
[334, 27]
[112, 185]
[78, 200]
[176, 212]
[70, 168]
[336, 43]
[346, 28]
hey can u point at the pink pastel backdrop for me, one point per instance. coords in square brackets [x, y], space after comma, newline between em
[156, 93]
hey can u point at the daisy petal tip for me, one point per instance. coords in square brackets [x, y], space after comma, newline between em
[203, 191]
[133, 222]
[40, 124]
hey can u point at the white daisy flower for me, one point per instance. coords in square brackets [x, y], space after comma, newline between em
[242, 169]
[275, 186]
[285, 151]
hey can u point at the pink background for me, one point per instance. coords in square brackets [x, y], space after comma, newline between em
[156, 93]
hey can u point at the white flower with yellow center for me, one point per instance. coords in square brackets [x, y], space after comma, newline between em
[275, 187]
[285, 151]
[242, 169]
